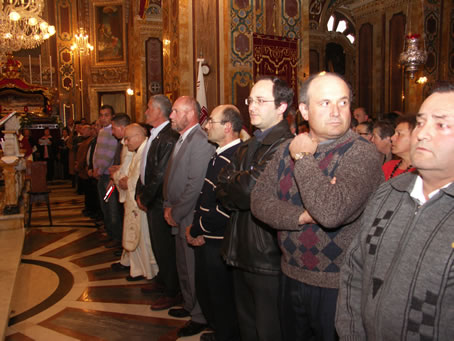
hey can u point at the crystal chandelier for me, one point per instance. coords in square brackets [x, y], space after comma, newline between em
[21, 26]
[82, 43]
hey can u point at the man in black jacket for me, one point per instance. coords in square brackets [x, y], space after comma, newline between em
[213, 278]
[149, 198]
[250, 246]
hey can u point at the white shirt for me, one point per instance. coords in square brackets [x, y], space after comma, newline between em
[418, 194]
[219, 150]
[153, 133]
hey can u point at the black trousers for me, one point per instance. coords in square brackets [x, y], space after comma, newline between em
[256, 298]
[163, 244]
[307, 312]
[214, 289]
[90, 190]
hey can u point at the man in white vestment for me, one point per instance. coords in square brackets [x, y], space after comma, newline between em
[137, 253]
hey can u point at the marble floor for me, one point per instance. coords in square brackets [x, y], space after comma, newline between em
[66, 290]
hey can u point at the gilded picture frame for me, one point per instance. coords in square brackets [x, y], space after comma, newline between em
[109, 32]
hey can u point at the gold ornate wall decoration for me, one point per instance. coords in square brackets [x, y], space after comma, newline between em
[66, 69]
[109, 75]
[64, 20]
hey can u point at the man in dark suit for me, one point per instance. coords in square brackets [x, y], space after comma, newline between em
[183, 181]
[149, 198]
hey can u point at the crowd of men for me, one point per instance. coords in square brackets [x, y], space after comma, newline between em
[282, 236]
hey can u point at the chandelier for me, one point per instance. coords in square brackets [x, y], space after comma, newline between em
[82, 43]
[412, 58]
[21, 26]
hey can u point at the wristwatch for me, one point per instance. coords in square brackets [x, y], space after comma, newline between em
[300, 155]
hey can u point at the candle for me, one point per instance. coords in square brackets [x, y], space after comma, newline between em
[50, 68]
[72, 105]
[40, 72]
[30, 68]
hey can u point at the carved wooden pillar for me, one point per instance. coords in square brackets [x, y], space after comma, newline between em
[9, 163]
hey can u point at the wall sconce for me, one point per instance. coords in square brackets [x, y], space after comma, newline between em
[422, 80]
[130, 92]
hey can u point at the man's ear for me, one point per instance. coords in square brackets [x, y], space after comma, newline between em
[228, 127]
[282, 108]
[304, 110]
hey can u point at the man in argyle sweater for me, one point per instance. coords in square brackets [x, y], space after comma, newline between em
[313, 192]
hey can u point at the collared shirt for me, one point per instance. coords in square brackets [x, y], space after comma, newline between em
[219, 150]
[417, 192]
[181, 140]
[153, 133]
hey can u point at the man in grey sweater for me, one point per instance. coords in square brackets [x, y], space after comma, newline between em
[398, 275]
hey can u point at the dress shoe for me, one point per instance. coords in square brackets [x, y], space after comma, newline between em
[152, 288]
[178, 312]
[113, 243]
[119, 267]
[134, 279]
[166, 302]
[208, 337]
[191, 328]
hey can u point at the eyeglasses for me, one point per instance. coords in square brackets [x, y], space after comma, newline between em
[210, 121]
[259, 101]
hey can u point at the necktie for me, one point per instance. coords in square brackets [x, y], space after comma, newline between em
[177, 147]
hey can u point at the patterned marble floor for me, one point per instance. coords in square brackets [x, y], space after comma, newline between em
[66, 290]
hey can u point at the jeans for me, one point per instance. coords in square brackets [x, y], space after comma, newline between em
[112, 210]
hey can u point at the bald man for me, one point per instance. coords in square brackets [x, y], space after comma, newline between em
[183, 181]
[213, 278]
[137, 254]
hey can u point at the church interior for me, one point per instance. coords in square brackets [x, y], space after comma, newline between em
[78, 55]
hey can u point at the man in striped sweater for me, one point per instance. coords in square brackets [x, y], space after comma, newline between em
[398, 274]
[213, 279]
[103, 158]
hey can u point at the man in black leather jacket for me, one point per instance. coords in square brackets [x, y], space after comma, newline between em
[149, 198]
[250, 246]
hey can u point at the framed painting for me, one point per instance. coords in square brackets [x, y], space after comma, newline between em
[109, 31]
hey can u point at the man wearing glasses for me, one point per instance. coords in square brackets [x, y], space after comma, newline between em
[213, 278]
[250, 246]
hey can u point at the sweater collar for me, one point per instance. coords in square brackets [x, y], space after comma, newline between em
[406, 182]
[328, 144]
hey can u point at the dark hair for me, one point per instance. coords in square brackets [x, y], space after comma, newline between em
[407, 118]
[163, 103]
[304, 88]
[232, 114]
[197, 107]
[391, 117]
[67, 130]
[353, 122]
[282, 92]
[443, 88]
[121, 119]
[107, 106]
[369, 126]
[385, 128]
